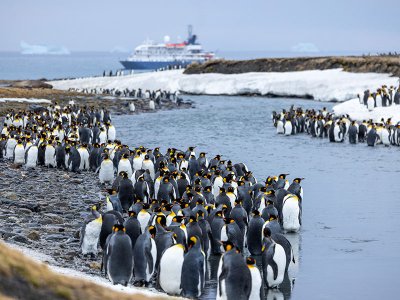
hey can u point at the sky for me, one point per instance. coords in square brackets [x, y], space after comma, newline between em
[229, 25]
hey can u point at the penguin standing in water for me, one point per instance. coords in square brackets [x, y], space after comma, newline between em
[170, 269]
[372, 137]
[233, 277]
[90, 233]
[291, 213]
[353, 133]
[273, 262]
[145, 256]
[287, 127]
[193, 270]
[118, 257]
[256, 281]
[254, 234]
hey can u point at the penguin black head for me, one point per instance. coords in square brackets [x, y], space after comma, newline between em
[240, 183]
[250, 261]
[256, 212]
[238, 202]
[160, 219]
[177, 219]
[152, 231]
[166, 179]
[231, 189]
[118, 227]
[283, 176]
[125, 155]
[218, 214]
[221, 190]
[272, 217]
[146, 156]
[123, 174]
[192, 241]
[228, 245]
[298, 180]
[132, 213]
[207, 189]
[267, 232]
[192, 219]
[229, 220]
[200, 213]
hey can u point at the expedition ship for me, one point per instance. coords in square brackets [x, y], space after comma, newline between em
[151, 56]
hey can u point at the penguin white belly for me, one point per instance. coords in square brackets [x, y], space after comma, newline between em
[131, 106]
[256, 283]
[154, 255]
[290, 214]
[91, 237]
[19, 154]
[336, 133]
[106, 173]
[152, 105]
[103, 137]
[137, 163]
[143, 218]
[50, 157]
[288, 128]
[224, 237]
[31, 157]
[148, 165]
[218, 183]
[84, 159]
[112, 133]
[125, 165]
[385, 137]
[11, 143]
[171, 270]
[370, 104]
[279, 127]
[378, 101]
[156, 187]
[280, 260]
[184, 164]
[221, 287]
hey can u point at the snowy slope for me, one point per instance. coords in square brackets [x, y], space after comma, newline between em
[32, 100]
[360, 112]
[326, 85]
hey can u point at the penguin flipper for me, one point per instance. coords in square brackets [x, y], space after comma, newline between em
[149, 259]
[274, 267]
[221, 277]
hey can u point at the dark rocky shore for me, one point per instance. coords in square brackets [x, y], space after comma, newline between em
[357, 64]
[43, 209]
[116, 105]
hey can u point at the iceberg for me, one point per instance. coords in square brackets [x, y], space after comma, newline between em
[29, 49]
[321, 85]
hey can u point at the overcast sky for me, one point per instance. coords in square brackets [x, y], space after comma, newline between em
[87, 25]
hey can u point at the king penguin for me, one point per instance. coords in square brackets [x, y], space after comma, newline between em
[256, 281]
[233, 277]
[193, 269]
[90, 233]
[170, 269]
[145, 256]
[119, 260]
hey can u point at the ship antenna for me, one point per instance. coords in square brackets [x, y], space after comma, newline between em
[190, 30]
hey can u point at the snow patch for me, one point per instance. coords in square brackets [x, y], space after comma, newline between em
[322, 85]
[360, 112]
[31, 100]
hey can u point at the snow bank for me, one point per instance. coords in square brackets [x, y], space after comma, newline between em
[31, 100]
[40, 257]
[325, 85]
[360, 112]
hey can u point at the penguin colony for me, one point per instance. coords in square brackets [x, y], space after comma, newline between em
[383, 97]
[164, 214]
[324, 124]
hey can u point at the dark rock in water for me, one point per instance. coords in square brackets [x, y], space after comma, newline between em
[33, 235]
[77, 180]
[20, 239]
[24, 211]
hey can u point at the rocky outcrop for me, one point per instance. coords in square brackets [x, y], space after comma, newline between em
[357, 64]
